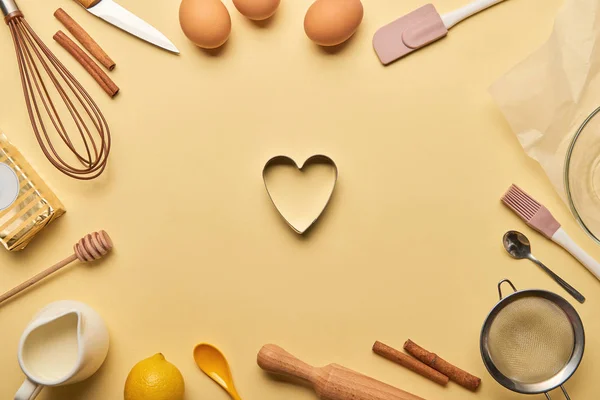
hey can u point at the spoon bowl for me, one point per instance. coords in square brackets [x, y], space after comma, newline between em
[213, 363]
[518, 246]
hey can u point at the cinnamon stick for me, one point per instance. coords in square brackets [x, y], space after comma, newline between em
[90, 66]
[456, 374]
[85, 39]
[410, 363]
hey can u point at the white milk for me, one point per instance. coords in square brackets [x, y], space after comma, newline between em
[51, 351]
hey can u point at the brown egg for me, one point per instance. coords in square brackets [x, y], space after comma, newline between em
[207, 23]
[331, 22]
[257, 9]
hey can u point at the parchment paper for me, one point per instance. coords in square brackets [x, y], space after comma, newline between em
[548, 95]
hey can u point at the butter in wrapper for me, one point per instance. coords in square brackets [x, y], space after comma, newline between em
[27, 205]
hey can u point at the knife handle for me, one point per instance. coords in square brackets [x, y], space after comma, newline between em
[88, 3]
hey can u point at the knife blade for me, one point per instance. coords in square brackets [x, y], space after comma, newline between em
[118, 16]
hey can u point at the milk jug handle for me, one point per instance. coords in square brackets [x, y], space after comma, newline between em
[28, 391]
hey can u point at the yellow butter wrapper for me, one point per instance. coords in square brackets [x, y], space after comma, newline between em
[27, 204]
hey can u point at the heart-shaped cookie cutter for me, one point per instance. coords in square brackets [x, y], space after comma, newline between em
[281, 159]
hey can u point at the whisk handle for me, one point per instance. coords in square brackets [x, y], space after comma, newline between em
[88, 3]
[8, 7]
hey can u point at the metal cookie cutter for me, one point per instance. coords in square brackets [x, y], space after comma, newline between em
[285, 160]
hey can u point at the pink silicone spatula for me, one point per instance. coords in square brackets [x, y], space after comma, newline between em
[420, 28]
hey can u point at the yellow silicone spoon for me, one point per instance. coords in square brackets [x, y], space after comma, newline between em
[214, 364]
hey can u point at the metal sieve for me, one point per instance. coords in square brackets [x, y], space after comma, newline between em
[532, 341]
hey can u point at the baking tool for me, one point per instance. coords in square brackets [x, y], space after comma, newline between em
[65, 343]
[518, 246]
[332, 22]
[582, 175]
[332, 382]
[411, 363]
[87, 63]
[116, 15]
[206, 23]
[257, 10]
[214, 364]
[85, 39]
[90, 248]
[420, 28]
[38, 66]
[27, 205]
[539, 218]
[463, 378]
[532, 341]
[300, 222]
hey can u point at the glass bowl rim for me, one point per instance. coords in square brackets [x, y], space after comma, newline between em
[566, 173]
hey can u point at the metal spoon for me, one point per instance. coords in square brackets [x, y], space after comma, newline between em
[517, 245]
[214, 364]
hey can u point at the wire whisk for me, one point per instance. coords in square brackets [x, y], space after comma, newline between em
[45, 78]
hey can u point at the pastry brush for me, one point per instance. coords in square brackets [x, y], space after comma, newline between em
[420, 28]
[539, 218]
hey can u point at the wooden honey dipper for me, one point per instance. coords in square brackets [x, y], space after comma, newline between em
[90, 248]
[332, 382]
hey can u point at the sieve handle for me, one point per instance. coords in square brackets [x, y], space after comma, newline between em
[500, 287]
[564, 392]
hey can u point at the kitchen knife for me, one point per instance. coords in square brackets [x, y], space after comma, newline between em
[116, 15]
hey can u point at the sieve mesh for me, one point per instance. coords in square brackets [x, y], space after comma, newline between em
[531, 340]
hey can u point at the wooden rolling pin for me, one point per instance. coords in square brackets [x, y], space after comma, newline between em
[332, 382]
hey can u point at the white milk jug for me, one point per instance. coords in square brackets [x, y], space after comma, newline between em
[66, 342]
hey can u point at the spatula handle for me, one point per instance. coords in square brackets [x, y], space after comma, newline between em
[88, 3]
[452, 18]
[276, 360]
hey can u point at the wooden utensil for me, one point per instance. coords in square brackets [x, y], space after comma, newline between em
[90, 248]
[332, 382]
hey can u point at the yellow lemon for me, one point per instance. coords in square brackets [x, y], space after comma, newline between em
[154, 379]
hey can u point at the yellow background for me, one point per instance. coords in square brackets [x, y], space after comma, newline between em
[410, 246]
